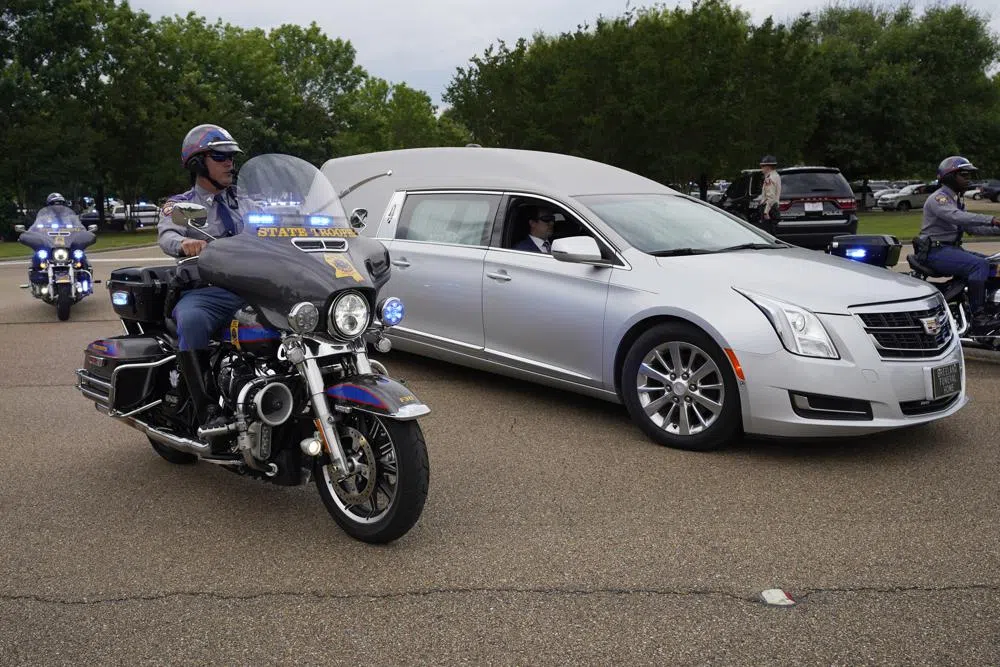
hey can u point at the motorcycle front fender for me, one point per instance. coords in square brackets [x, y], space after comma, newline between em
[378, 395]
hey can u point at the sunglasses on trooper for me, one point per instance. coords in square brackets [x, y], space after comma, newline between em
[220, 157]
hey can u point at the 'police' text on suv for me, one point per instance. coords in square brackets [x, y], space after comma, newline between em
[816, 204]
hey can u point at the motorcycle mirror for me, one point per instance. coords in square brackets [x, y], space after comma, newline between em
[19, 229]
[358, 218]
[186, 214]
[91, 228]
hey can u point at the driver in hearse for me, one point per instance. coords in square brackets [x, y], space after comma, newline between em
[208, 153]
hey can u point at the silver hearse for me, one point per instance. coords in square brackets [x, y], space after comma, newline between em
[702, 325]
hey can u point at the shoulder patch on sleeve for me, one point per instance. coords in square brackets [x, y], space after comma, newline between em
[167, 208]
[941, 199]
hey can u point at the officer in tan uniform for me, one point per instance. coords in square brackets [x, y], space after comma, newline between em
[770, 196]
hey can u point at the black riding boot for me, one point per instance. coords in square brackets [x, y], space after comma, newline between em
[194, 365]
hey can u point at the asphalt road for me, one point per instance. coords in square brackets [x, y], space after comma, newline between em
[554, 533]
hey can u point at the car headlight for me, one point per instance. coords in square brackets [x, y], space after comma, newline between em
[348, 316]
[392, 311]
[799, 329]
[60, 254]
[303, 317]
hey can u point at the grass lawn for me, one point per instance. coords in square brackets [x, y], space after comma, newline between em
[905, 226]
[105, 240]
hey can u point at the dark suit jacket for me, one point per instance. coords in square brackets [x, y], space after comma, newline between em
[527, 244]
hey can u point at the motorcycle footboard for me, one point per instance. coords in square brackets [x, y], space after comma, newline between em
[378, 395]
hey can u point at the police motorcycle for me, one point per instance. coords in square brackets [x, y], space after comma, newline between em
[59, 273]
[291, 370]
[884, 251]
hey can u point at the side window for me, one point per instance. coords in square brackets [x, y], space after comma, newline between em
[461, 219]
[737, 189]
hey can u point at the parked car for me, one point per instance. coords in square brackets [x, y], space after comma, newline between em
[910, 197]
[816, 204]
[864, 196]
[701, 324]
[123, 217]
[991, 191]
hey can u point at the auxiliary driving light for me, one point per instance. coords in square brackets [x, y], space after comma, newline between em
[392, 311]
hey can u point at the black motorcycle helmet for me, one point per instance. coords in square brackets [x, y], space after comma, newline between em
[949, 169]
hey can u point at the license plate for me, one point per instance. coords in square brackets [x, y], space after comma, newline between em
[62, 279]
[946, 380]
[813, 206]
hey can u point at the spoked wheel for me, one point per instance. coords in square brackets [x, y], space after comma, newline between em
[63, 302]
[384, 497]
[680, 388]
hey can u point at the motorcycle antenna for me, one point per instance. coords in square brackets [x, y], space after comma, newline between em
[345, 192]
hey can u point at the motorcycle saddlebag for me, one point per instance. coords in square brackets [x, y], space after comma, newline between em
[139, 293]
[875, 249]
[133, 357]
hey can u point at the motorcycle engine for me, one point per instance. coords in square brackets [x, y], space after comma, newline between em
[234, 372]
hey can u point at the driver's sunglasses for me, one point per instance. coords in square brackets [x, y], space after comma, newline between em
[546, 218]
[220, 157]
[966, 174]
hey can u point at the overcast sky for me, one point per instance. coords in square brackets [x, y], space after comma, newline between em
[422, 42]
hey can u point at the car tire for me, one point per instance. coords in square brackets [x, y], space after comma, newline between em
[675, 379]
[977, 196]
[904, 206]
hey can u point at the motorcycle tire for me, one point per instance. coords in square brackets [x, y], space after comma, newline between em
[172, 455]
[383, 445]
[64, 301]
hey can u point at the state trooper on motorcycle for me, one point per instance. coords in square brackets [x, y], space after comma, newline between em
[939, 244]
[208, 153]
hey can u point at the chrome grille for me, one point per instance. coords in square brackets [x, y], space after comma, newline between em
[913, 334]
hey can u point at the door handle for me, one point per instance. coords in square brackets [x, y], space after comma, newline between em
[400, 263]
[502, 276]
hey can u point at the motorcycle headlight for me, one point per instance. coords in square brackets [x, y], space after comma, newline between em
[303, 317]
[799, 329]
[392, 311]
[348, 316]
[60, 254]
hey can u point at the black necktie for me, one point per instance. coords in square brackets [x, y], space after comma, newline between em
[225, 216]
[546, 247]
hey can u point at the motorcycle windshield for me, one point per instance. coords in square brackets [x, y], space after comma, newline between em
[56, 219]
[287, 196]
[57, 226]
[296, 243]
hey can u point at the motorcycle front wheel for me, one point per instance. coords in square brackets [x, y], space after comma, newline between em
[64, 301]
[383, 499]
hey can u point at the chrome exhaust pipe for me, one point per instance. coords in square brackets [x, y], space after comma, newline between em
[172, 441]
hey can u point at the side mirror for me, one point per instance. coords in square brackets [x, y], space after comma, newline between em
[91, 228]
[186, 214]
[578, 249]
[19, 229]
[358, 218]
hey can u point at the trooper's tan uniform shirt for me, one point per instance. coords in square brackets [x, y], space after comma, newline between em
[771, 192]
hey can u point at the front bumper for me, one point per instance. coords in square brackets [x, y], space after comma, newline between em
[899, 391]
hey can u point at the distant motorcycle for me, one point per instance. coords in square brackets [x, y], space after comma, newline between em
[291, 373]
[59, 273]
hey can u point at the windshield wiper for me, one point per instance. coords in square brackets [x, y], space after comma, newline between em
[821, 190]
[754, 246]
[676, 252]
